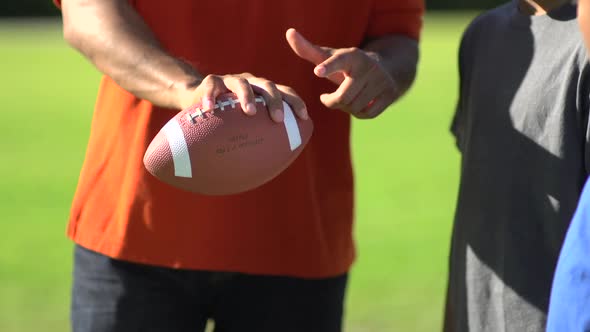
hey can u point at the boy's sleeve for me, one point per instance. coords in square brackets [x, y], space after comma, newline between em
[57, 3]
[396, 17]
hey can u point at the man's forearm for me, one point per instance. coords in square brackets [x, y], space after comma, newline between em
[119, 43]
[398, 55]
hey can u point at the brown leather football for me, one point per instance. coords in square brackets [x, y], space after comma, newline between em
[224, 151]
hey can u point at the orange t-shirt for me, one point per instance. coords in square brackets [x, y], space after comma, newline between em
[299, 224]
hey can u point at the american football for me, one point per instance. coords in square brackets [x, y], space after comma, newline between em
[223, 151]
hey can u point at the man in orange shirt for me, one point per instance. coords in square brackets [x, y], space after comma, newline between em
[149, 257]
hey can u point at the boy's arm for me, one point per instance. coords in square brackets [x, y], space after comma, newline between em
[458, 121]
[460, 117]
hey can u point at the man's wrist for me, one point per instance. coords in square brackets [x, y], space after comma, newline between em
[184, 85]
[398, 55]
[184, 91]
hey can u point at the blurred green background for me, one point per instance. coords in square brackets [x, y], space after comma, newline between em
[406, 174]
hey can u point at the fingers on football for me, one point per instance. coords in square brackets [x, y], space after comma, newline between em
[243, 90]
[211, 87]
[273, 98]
[296, 103]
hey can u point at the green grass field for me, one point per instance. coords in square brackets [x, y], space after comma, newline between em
[406, 175]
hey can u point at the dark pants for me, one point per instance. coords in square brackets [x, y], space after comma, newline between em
[110, 296]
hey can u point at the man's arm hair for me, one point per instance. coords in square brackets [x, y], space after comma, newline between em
[399, 55]
[112, 35]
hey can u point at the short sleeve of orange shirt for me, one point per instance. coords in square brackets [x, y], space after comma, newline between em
[401, 16]
[300, 224]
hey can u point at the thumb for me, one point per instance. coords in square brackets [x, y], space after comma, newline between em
[305, 49]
